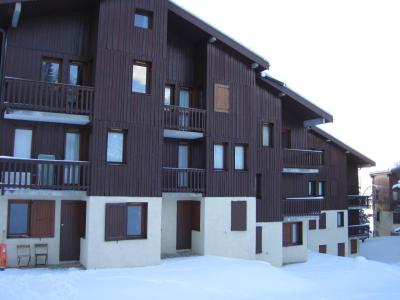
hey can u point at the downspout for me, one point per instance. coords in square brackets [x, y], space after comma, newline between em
[3, 58]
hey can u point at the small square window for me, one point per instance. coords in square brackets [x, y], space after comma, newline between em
[141, 74]
[143, 19]
[240, 157]
[267, 135]
[116, 146]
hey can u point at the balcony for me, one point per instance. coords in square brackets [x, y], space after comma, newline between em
[360, 231]
[358, 201]
[182, 122]
[176, 180]
[36, 174]
[302, 161]
[31, 100]
[302, 206]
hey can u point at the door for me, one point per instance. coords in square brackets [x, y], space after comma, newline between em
[72, 153]
[72, 223]
[184, 225]
[184, 103]
[183, 165]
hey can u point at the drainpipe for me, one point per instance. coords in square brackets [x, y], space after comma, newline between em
[3, 57]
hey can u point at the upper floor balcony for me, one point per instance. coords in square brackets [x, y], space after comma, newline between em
[361, 231]
[39, 174]
[184, 122]
[302, 161]
[302, 206]
[183, 180]
[32, 100]
[358, 201]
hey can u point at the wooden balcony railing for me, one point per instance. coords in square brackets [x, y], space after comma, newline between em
[43, 174]
[359, 230]
[182, 118]
[299, 158]
[358, 201]
[302, 206]
[178, 180]
[49, 97]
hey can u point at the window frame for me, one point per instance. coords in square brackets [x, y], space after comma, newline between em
[148, 66]
[270, 127]
[288, 229]
[143, 221]
[28, 221]
[53, 60]
[312, 188]
[320, 184]
[32, 129]
[124, 137]
[146, 13]
[340, 219]
[245, 153]
[172, 94]
[224, 161]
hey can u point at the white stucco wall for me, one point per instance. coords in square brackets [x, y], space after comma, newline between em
[385, 226]
[330, 236]
[219, 240]
[53, 243]
[272, 250]
[126, 253]
[296, 254]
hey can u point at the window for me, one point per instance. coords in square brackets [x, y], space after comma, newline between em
[51, 70]
[322, 249]
[30, 219]
[267, 135]
[116, 146]
[321, 188]
[169, 95]
[75, 73]
[143, 19]
[240, 157]
[23, 143]
[221, 98]
[292, 234]
[396, 218]
[258, 239]
[141, 77]
[353, 246]
[238, 215]
[219, 156]
[395, 196]
[311, 188]
[312, 224]
[378, 216]
[341, 249]
[340, 219]
[126, 221]
[322, 221]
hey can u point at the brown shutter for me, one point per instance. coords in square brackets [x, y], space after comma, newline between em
[258, 239]
[221, 98]
[42, 219]
[322, 248]
[238, 215]
[353, 246]
[341, 249]
[196, 215]
[322, 221]
[312, 224]
[287, 234]
[83, 219]
[115, 222]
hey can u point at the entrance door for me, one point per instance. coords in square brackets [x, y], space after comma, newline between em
[183, 165]
[73, 218]
[184, 225]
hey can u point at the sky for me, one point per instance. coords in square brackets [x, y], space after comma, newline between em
[343, 55]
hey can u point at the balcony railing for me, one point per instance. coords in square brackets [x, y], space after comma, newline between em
[182, 118]
[302, 206]
[27, 94]
[178, 180]
[361, 231]
[299, 158]
[358, 201]
[43, 174]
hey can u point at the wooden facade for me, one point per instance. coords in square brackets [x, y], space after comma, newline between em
[101, 35]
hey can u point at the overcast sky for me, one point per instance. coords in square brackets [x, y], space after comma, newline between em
[343, 55]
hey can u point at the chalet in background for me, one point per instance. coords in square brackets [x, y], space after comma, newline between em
[386, 196]
[131, 130]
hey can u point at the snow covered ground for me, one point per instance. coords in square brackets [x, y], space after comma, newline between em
[384, 249]
[322, 277]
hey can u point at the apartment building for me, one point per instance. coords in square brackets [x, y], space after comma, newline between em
[386, 201]
[132, 130]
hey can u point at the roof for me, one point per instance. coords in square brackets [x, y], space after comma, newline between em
[213, 32]
[361, 159]
[298, 102]
[386, 172]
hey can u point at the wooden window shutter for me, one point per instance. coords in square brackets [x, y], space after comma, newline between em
[258, 239]
[312, 224]
[196, 215]
[341, 249]
[115, 222]
[322, 249]
[238, 215]
[42, 219]
[353, 246]
[221, 98]
[322, 221]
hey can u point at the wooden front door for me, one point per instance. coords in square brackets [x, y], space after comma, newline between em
[184, 225]
[72, 222]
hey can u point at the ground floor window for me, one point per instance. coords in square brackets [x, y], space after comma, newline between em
[322, 249]
[292, 234]
[354, 246]
[126, 221]
[341, 249]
